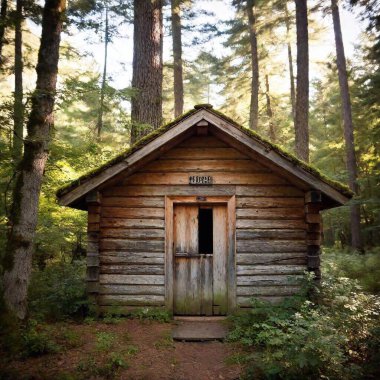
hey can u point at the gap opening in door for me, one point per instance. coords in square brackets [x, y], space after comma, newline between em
[205, 231]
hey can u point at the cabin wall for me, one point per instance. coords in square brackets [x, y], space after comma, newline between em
[271, 226]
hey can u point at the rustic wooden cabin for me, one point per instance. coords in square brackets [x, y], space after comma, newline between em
[199, 217]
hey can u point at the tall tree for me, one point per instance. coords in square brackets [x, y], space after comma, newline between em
[3, 20]
[290, 60]
[254, 105]
[177, 57]
[18, 107]
[146, 110]
[302, 94]
[348, 125]
[23, 218]
[272, 133]
[99, 124]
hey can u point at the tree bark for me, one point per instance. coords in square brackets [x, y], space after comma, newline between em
[272, 133]
[99, 124]
[348, 125]
[18, 107]
[254, 105]
[3, 20]
[177, 57]
[302, 94]
[290, 60]
[23, 219]
[146, 112]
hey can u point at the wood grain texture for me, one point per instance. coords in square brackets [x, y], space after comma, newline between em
[133, 201]
[132, 269]
[129, 245]
[132, 223]
[204, 153]
[250, 270]
[270, 224]
[270, 213]
[256, 246]
[133, 233]
[218, 178]
[220, 257]
[268, 280]
[283, 258]
[121, 257]
[269, 202]
[277, 234]
[130, 300]
[153, 290]
[187, 165]
[281, 290]
[124, 279]
[133, 213]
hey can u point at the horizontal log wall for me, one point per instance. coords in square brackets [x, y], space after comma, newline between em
[271, 248]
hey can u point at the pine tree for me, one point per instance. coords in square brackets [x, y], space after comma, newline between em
[348, 125]
[146, 112]
[254, 105]
[302, 94]
[18, 107]
[3, 21]
[23, 217]
[177, 56]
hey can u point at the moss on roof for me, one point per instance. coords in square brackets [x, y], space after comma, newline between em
[151, 136]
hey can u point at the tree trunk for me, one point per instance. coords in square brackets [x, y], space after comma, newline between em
[348, 125]
[302, 94]
[177, 57]
[272, 133]
[23, 219]
[146, 104]
[18, 107]
[290, 60]
[3, 20]
[99, 124]
[254, 106]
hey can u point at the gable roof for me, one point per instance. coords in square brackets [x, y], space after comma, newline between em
[73, 193]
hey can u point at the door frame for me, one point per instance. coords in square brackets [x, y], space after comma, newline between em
[230, 203]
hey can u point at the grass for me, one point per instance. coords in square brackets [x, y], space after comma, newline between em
[104, 341]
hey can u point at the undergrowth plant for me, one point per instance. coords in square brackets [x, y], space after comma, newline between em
[327, 338]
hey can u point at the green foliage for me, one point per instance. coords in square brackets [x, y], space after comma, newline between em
[104, 341]
[363, 268]
[107, 369]
[152, 314]
[59, 291]
[166, 342]
[132, 350]
[36, 341]
[327, 339]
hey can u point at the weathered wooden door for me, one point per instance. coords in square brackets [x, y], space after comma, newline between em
[200, 265]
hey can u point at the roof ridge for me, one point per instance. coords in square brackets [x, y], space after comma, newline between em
[164, 128]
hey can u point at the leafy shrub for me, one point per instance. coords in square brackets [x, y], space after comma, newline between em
[329, 338]
[151, 314]
[37, 342]
[104, 341]
[108, 369]
[363, 268]
[59, 291]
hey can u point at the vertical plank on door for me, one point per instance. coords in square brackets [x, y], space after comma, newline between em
[220, 281]
[187, 298]
[206, 262]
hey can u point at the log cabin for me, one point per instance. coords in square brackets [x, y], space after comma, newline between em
[199, 217]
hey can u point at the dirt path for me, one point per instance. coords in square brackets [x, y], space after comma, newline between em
[129, 349]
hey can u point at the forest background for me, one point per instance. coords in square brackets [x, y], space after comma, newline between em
[95, 99]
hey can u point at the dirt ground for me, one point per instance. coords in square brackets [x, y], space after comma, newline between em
[129, 349]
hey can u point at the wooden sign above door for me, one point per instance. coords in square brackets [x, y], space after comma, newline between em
[200, 180]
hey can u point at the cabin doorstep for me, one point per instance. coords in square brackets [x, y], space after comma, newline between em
[200, 217]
